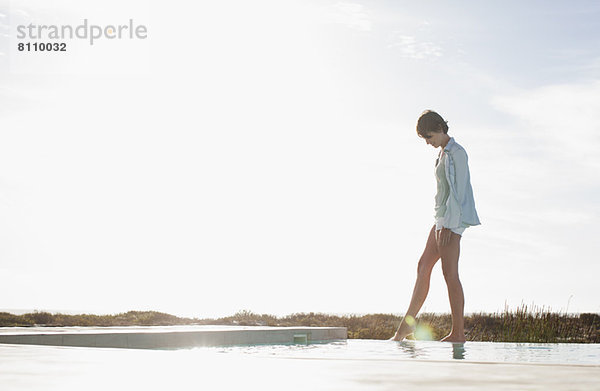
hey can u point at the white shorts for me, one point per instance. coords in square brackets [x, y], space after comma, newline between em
[458, 231]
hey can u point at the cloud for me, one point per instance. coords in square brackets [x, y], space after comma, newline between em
[410, 47]
[536, 174]
[352, 15]
[562, 120]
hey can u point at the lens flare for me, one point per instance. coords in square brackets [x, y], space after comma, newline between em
[424, 332]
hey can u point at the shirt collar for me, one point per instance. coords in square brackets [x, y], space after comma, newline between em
[450, 144]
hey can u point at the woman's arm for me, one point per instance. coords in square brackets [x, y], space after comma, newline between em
[457, 174]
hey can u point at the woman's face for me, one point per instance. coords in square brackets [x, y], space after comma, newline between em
[435, 139]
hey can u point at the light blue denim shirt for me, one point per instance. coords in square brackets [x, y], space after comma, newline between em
[454, 202]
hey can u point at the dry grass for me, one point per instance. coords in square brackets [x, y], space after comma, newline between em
[524, 324]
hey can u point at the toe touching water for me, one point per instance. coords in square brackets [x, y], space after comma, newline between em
[406, 328]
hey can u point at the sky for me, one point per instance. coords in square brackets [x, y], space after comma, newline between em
[263, 156]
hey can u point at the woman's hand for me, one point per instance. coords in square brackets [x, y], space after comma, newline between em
[442, 236]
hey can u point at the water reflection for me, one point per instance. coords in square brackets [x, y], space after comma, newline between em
[458, 351]
[414, 349]
[410, 349]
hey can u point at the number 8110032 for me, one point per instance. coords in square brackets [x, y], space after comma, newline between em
[42, 47]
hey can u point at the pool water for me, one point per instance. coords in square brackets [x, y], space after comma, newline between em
[551, 353]
[353, 365]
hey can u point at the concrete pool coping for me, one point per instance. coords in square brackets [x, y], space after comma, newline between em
[170, 337]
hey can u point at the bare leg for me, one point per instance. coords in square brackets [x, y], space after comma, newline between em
[428, 260]
[449, 254]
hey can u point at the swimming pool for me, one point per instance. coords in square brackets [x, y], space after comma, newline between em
[506, 352]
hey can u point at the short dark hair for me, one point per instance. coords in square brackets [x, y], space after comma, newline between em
[429, 122]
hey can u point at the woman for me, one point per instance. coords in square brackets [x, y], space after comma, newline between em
[454, 212]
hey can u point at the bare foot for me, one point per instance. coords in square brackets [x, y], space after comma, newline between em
[403, 331]
[454, 338]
